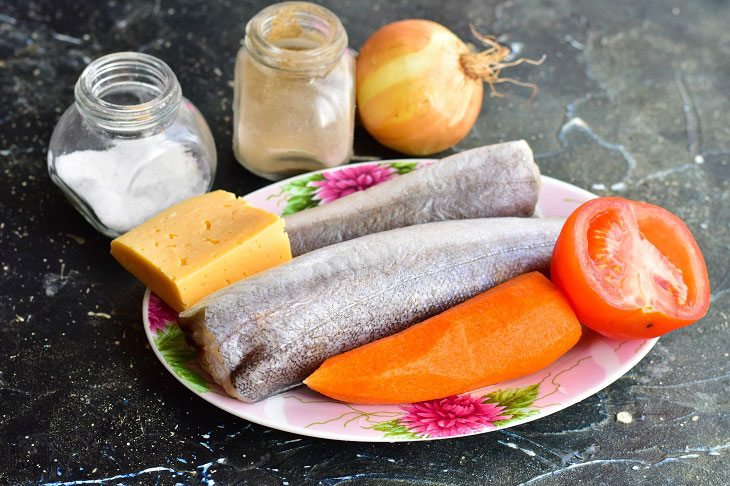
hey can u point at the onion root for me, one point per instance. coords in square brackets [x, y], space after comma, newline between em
[488, 64]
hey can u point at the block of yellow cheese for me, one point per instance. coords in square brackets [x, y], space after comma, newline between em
[201, 245]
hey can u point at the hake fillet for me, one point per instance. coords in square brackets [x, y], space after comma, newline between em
[491, 181]
[265, 334]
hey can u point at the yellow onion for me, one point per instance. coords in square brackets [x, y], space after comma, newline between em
[420, 88]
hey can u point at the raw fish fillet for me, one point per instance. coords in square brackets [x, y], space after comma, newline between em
[491, 181]
[265, 334]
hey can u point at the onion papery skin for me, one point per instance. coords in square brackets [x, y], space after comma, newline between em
[412, 92]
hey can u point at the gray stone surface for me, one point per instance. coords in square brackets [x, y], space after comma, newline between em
[633, 102]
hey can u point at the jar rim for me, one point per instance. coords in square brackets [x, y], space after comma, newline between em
[120, 71]
[308, 15]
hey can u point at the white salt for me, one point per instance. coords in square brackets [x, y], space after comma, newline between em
[132, 180]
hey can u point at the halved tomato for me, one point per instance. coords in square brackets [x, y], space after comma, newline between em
[630, 270]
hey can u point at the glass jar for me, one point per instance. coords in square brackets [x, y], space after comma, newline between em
[131, 145]
[294, 92]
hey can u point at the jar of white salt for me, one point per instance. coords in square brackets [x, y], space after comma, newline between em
[294, 92]
[131, 145]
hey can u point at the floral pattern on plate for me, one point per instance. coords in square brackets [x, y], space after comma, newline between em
[318, 188]
[594, 363]
[170, 342]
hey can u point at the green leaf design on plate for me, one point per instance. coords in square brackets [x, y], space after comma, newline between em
[301, 194]
[396, 430]
[518, 414]
[516, 402]
[514, 397]
[178, 354]
[403, 167]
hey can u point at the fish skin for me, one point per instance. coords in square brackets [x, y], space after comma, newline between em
[491, 181]
[265, 334]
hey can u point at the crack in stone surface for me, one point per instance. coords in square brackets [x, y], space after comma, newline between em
[691, 117]
[578, 124]
[665, 172]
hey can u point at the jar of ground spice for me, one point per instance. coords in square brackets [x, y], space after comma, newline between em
[294, 92]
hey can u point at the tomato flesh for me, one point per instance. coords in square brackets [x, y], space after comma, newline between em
[623, 258]
[630, 270]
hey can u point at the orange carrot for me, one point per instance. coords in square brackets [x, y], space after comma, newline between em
[512, 330]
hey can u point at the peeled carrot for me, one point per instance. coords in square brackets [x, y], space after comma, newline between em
[512, 330]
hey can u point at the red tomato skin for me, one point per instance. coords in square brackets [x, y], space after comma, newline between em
[591, 307]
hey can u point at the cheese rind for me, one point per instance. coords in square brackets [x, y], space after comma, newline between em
[202, 245]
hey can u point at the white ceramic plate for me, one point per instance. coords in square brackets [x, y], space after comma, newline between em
[594, 363]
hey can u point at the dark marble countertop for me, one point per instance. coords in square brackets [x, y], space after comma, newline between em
[633, 102]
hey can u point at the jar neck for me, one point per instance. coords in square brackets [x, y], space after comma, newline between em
[296, 37]
[128, 93]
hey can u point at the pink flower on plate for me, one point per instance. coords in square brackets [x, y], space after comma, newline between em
[159, 314]
[345, 181]
[454, 415]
